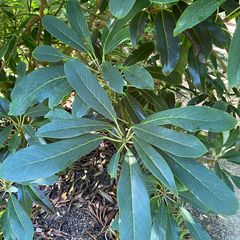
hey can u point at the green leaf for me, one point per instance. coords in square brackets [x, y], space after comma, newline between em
[79, 107]
[204, 184]
[197, 71]
[188, 197]
[172, 228]
[113, 77]
[140, 54]
[14, 142]
[21, 225]
[62, 32]
[4, 134]
[138, 77]
[110, 30]
[120, 9]
[166, 44]
[134, 109]
[113, 165]
[156, 101]
[6, 228]
[173, 78]
[30, 135]
[193, 226]
[58, 113]
[195, 13]
[164, 1]
[41, 199]
[134, 205]
[179, 144]
[232, 156]
[78, 22]
[36, 87]
[68, 128]
[137, 26]
[223, 176]
[25, 200]
[4, 106]
[42, 161]
[236, 180]
[121, 36]
[155, 163]
[233, 70]
[47, 53]
[194, 118]
[87, 86]
[37, 111]
[159, 227]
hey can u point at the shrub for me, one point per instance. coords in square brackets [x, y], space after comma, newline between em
[151, 79]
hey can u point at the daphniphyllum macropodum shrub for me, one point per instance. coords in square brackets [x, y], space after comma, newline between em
[155, 79]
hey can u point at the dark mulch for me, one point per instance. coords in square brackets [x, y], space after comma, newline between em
[85, 200]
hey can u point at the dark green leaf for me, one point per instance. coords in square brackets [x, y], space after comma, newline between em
[223, 176]
[188, 197]
[113, 77]
[87, 87]
[6, 228]
[167, 45]
[173, 78]
[232, 156]
[179, 144]
[134, 109]
[159, 227]
[195, 13]
[155, 163]
[204, 184]
[193, 226]
[58, 113]
[79, 107]
[30, 136]
[40, 198]
[164, 1]
[78, 22]
[197, 70]
[234, 59]
[194, 118]
[21, 225]
[137, 26]
[140, 54]
[36, 87]
[138, 77]
[47, 53]
[172, 229]
[37, 111]
[4, 134]
[14, 142]
[62, 32]
[42, 161]
[113, 165]
[68, 128]
[134, 205]
[121, 36]
[25, 200]
[120, 9]
[156, 101]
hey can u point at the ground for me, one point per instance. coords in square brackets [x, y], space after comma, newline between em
[85, 200]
